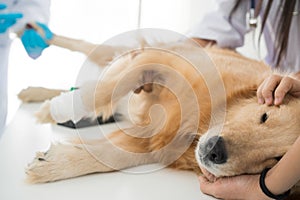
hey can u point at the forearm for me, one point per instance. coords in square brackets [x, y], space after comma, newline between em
[204, 42]
[286, 173]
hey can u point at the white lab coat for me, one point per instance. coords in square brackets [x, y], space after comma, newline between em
[216, 26]
[32, 10]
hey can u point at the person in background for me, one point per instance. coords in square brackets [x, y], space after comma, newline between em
[280, 27]
[14, 15]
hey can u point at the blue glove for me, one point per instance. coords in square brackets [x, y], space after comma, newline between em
[7, 19]
[35, 43]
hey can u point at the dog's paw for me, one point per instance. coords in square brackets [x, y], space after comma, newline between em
[55, 164]
[44, 114]
[63, 161]
[37, 94]
[29, 94]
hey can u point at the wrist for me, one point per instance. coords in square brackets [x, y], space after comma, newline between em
[257, 193]
[270, 188]
[271, 184]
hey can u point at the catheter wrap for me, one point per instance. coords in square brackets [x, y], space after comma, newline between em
[68, 106]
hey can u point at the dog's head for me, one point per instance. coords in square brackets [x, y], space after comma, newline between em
[252, 138]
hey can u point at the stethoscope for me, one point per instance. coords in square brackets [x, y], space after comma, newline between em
[253, 13]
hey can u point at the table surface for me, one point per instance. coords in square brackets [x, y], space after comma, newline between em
[23, 137]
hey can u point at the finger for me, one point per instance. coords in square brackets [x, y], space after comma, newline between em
[269, 87]
[47, 33]
[203, 180]
[37, 28]
[282, 89]
[208, 175]
[8, 23]
[295, 90]
[30, 40]
[259, 93]
[34, 45]
[38, 40]
[26, 39]
[2, 6]
[207, 187]
[11, 16]
[204, 171]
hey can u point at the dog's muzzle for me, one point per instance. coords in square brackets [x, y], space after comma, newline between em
[214, 151]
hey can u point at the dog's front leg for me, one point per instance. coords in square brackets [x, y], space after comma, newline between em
[38, 94]
[64, 161]
[67, 106]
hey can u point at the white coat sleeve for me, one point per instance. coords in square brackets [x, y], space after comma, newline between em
[217, 26]
[33, 11]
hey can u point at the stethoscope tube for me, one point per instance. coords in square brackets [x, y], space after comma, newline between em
[252, 4]
[252, 17]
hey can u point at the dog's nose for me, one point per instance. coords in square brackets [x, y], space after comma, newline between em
[216, 151]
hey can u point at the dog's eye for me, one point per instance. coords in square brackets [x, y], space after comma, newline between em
[263, 118]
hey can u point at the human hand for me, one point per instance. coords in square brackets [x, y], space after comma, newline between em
[275, 87]
[244, 187]
[209, 176]
[7, 19]
[34, 41]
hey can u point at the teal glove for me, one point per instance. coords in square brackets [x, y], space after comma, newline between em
[33, 42]
[7, 19]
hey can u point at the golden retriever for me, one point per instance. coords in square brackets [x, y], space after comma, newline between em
[174, 104]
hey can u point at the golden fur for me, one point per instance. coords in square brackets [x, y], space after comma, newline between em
[251, 145]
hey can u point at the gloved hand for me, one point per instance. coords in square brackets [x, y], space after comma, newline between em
[35, 42]
[7, 19]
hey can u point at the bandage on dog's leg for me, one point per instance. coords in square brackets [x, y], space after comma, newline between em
[68, 106]
[69, 110]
